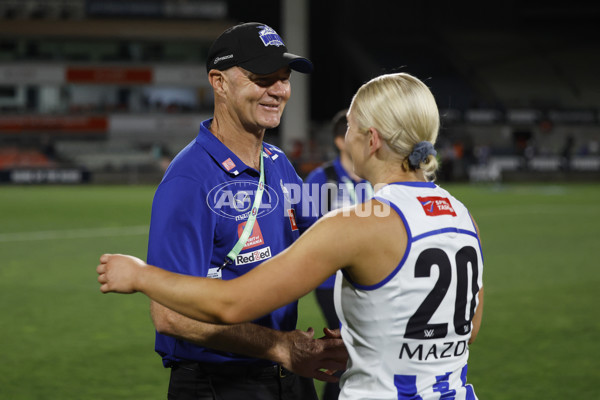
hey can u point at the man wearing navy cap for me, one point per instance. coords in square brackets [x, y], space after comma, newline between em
[221, 209]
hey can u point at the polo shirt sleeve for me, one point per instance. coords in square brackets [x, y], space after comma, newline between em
[316, 176]
[304, 219]
[181, 228]
[314, 182]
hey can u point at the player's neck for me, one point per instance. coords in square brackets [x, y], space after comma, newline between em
[348, 167]
[247, 146]
[390, 172]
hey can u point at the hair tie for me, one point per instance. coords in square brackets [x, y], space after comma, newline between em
[420, 152]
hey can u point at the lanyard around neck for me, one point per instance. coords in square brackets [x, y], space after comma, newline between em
[351, 190]
[232, 255]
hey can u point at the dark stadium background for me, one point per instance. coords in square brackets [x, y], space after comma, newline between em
[516, 81]
[453, 43]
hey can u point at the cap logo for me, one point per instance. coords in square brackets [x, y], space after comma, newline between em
[227, 57]
[269, 37]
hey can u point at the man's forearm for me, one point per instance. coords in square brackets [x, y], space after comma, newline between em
[296, 350]
[245, 339]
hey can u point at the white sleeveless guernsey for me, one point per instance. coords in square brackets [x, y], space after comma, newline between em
[407, 335]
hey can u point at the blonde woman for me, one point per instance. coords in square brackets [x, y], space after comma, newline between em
[409, 291]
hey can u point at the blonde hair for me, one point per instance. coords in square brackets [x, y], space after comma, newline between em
[403, 110]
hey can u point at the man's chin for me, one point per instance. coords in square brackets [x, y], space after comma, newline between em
[271, 124]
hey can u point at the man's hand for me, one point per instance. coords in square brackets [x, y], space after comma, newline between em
[118, 273]
[314, 358]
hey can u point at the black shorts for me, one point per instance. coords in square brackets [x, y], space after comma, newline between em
[204, 381]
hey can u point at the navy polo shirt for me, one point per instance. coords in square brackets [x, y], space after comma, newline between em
[199, 211]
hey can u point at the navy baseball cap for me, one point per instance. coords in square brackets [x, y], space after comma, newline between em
[255, 47]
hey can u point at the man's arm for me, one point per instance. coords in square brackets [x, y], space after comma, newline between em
[296, 350]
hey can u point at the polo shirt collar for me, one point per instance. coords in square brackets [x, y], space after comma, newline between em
[223, 156]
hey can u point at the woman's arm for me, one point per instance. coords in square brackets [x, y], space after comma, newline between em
[479, 311]
[323, 249]
[477, 317]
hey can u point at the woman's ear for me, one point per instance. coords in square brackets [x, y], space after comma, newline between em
[375, 140]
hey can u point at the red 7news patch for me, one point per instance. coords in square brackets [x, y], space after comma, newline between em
[434, 206]
[292, 215]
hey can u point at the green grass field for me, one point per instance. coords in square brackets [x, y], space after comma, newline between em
[61, 339]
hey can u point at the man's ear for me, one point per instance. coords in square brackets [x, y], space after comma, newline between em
[217, 81]
[375, 140]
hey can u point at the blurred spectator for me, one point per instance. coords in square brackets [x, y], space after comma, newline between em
[567, 152]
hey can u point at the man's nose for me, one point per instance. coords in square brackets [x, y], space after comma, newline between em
[279, 88]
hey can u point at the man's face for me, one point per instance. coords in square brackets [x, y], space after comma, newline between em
[258, 100]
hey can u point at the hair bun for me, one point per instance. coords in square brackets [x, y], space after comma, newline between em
[420, 152]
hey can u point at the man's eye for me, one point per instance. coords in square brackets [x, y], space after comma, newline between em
[261, 81]
[265, 82]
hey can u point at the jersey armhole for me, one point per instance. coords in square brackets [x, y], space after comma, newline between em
[402, 260]
[476, 231]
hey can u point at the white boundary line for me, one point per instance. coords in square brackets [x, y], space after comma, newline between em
[74, 233]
